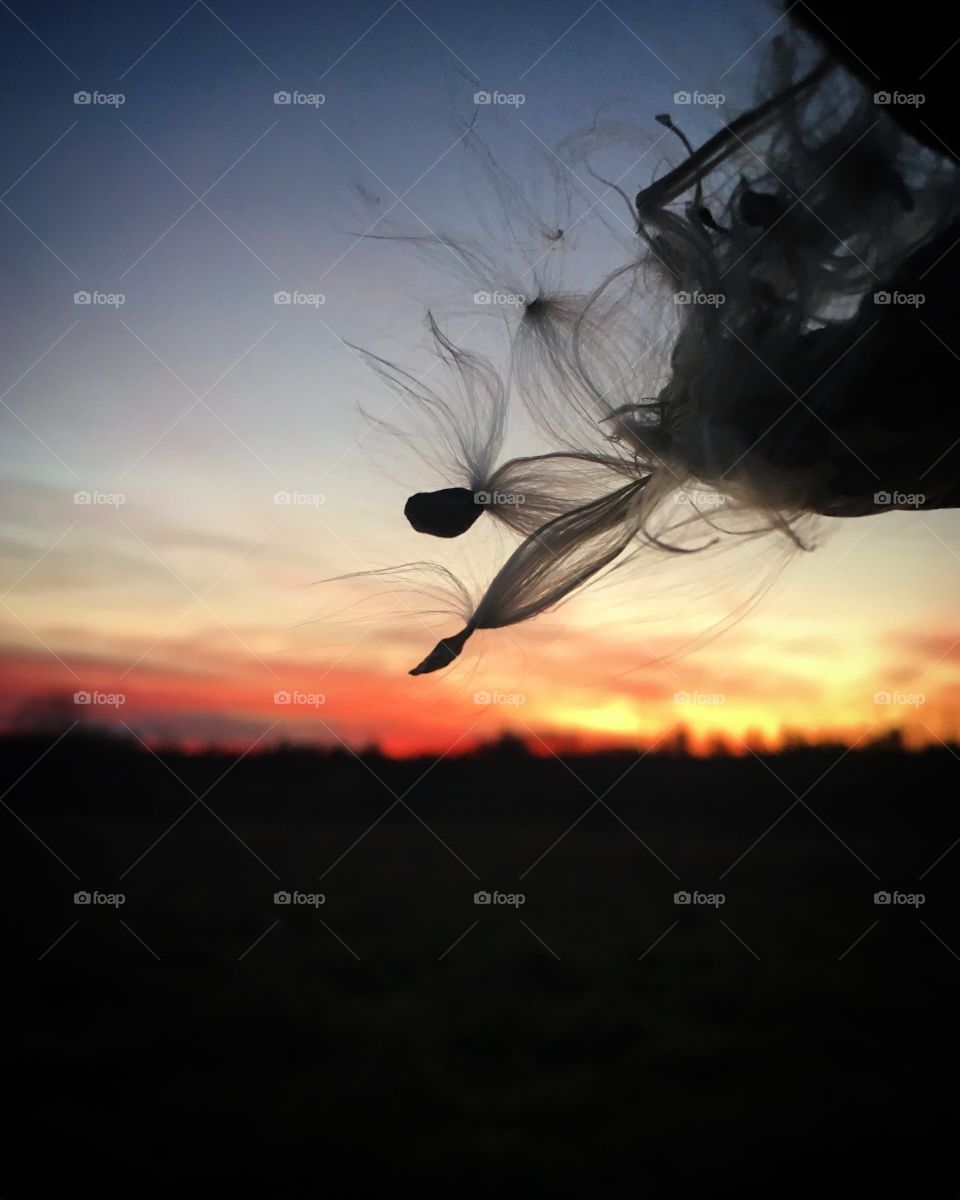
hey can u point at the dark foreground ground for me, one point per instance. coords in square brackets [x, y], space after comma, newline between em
[202, 1040]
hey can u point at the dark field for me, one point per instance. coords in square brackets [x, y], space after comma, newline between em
[202, 1039]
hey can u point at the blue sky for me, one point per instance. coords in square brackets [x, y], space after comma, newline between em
[197, 398]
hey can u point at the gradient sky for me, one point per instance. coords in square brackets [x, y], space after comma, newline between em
[199, 398]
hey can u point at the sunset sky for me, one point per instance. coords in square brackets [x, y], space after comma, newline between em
[195, 596]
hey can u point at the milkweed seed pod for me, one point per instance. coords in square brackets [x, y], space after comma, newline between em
[752, 347]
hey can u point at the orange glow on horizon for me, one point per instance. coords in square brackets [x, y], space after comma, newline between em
[749, 694]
